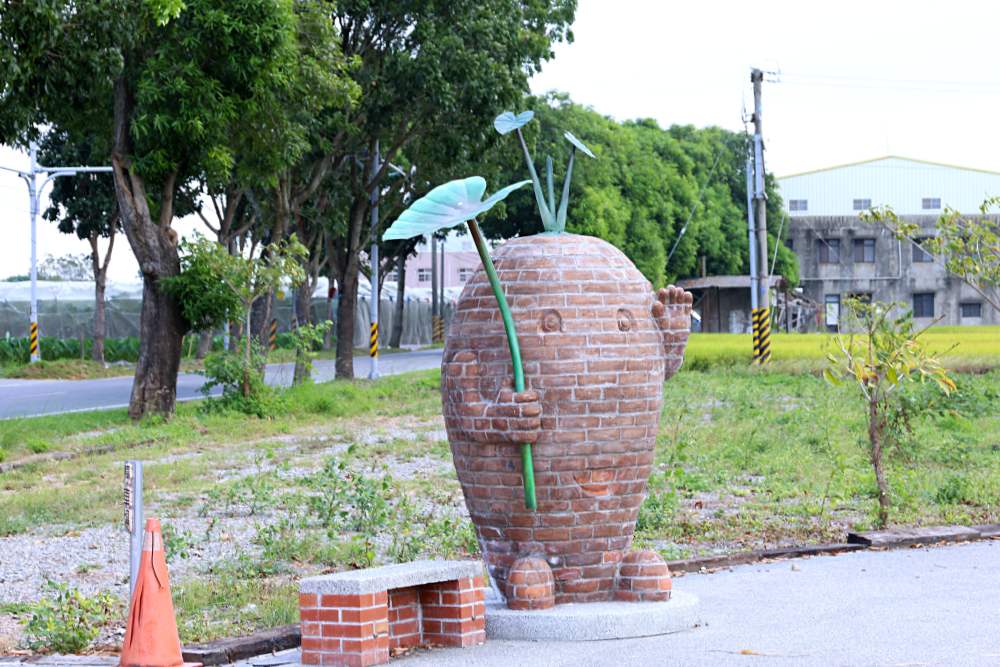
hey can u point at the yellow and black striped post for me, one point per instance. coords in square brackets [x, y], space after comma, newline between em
[755, 321]
[762, 336]
[33, 343]
[272, 337]
[373, 340]
[438, 334]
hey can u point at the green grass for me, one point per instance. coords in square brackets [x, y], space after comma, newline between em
[86, 490]
[747, 459]
[963, 348]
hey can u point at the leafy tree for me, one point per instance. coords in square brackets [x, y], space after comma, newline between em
[85, 205]
[969, 246]
[167, 82]
[216, 286]
[880, 362]
[432, 73]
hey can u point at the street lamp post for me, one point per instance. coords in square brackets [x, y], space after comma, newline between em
[34, 197]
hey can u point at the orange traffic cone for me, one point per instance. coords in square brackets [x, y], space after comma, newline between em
[151, 638]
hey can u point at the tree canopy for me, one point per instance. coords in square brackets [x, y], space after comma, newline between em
[643, 187]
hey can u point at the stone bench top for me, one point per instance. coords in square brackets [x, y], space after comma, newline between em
[401, 575]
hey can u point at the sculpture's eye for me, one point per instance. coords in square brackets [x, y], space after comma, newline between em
[551, 320]
[626, 321]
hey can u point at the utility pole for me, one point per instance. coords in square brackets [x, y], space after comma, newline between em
[752, 233]
[434, 294]
[441, 281]
[374, 291]
[34, 197]
[760, 219]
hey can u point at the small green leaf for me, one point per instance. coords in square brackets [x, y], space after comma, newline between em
[507, 122]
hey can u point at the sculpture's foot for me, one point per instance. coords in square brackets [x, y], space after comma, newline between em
[643, 576]
[530, 584]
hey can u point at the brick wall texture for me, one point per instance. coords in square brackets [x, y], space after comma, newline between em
[362, 630]
[596, 349]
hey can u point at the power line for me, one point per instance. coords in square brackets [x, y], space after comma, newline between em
[883, 83]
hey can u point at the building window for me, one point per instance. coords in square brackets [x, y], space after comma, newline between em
[829, 251]
[862, 204]
[464, 273]
[971, 310]
[863, 297]
[392, 276]
[832, 303]
[423, 275]
[930, 203]
[919, 254]
[864, 250]
[923, 304]
[798, 205]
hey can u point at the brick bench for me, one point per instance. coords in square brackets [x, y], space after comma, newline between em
[355, 618]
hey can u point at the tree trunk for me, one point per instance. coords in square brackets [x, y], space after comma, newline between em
[161, 337]
[100, 321]
[347, 306]
[400, 306]
[875, 433]
[204, 345]
[303, 316]
[161, 325]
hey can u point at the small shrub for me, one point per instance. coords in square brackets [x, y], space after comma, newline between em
[243, 387]
[67, 621]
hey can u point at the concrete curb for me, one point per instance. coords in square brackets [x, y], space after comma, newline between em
[225, 651]
[593, 621]
[897, 538]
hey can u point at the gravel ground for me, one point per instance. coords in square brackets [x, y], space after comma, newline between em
[96, 559]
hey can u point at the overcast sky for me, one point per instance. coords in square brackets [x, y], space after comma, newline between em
[853, 81]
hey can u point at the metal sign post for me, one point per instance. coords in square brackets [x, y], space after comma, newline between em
[375, 293]
[133, 518]
[34, 195]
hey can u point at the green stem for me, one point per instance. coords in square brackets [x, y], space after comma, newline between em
[564, 202]
[527, 466]
[543, 210]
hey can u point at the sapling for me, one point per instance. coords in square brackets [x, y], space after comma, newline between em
[880, 359]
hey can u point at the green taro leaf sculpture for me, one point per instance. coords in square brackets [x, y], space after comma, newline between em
[446, 206]
[452, 204]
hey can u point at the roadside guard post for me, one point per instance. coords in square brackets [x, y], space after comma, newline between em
[133, 518]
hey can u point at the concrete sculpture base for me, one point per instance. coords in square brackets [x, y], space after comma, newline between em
[593, 620]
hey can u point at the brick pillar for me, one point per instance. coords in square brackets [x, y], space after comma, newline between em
[454, 612]
[348, 630]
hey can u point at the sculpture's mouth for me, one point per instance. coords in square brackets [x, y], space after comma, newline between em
[595, 482]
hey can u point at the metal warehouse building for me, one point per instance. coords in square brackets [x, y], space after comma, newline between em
[839, 255]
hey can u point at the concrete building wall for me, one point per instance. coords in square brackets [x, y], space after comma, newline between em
[824, 207]
[893, 276]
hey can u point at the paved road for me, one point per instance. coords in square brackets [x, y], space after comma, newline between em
[936, 606]
[23, 398]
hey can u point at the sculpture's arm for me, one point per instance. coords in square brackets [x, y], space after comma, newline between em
[508, 416]
[672, 312]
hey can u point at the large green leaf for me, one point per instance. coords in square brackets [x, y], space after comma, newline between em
[507, 122]
[446, 206]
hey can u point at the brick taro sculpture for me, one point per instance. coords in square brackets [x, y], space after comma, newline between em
[580, 406]
[597, 344]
